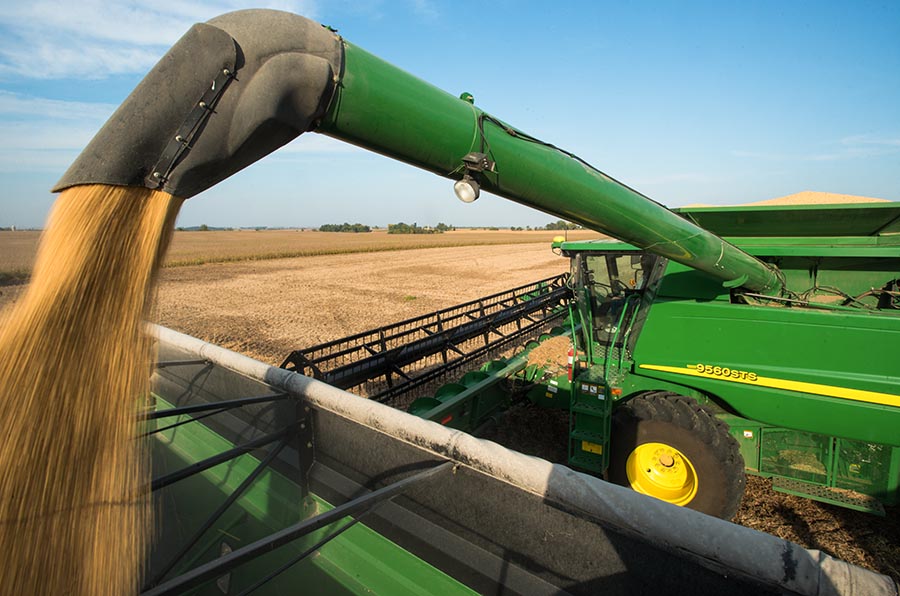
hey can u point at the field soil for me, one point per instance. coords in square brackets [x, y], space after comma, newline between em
[267, 308]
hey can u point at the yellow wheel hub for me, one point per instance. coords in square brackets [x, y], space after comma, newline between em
[661, 471]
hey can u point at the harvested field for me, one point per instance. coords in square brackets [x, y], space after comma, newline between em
[17, 253]
[17, 249]
[193, 248]
[266, 308]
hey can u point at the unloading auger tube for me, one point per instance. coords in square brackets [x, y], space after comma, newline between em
[238, 87]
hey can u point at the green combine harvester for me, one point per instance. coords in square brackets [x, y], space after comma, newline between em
[784, 335]
[681, 382]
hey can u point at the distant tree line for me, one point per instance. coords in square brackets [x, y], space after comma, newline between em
[404, 228]
[562, 225]
[345, 227]
[201, 228]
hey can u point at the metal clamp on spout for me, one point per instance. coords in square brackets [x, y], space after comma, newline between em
[182, 141]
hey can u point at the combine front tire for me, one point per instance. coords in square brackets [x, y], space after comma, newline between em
[670, 447]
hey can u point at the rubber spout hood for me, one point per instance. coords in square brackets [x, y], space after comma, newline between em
[229, 92]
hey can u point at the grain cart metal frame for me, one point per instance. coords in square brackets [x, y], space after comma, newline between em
[248, 82]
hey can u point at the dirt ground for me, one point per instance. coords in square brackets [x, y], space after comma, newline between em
[265, 309]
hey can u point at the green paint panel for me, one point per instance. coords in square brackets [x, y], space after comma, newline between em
[553, 393]
[841, 350]
[748, 434]
[858, 219]
[360, 561]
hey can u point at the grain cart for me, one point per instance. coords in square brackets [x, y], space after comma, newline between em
[269, 482]
[246, 83]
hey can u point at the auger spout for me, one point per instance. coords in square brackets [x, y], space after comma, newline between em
[240, 86]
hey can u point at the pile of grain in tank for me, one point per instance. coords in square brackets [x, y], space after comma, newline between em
[552, 354]
[809, 197]
[73, 365]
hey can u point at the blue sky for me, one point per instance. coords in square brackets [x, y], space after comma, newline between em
[686, 101]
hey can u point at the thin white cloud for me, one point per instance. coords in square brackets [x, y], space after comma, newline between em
[44, 161]
[92, 39]
[851, 147]
[766, 155]
[45, 135]
[39, 134]
[425, 9]
[665, 180]
[869, 139]
[17, 105]
[54, 60]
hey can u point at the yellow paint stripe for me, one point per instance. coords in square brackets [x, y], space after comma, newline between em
[872, 397]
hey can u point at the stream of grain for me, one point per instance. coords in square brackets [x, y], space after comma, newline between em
[74, 509]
